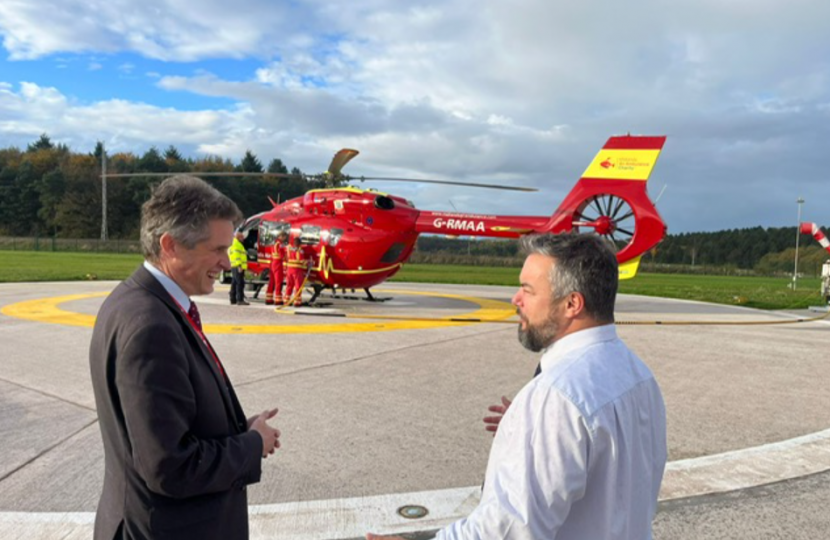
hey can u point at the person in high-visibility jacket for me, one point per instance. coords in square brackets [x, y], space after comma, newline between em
[297, 269]
[239, 264]
[273, 294]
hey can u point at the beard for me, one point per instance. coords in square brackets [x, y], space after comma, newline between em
[538, 337]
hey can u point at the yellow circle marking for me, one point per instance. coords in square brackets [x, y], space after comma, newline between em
[47, 310]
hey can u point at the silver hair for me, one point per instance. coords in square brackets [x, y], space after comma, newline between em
[182, 206]
[584, 264]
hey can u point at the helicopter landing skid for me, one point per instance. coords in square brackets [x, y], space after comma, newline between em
[369, 297]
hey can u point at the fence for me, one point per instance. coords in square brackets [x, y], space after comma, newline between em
[17, 243]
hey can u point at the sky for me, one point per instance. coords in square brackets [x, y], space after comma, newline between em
[521, 93]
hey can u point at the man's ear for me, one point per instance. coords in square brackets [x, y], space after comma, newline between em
[168, 244]
[574, 304]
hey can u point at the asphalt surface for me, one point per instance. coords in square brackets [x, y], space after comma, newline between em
[392, 407]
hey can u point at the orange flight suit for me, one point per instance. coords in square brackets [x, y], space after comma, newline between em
[273, 294]
[297, 264]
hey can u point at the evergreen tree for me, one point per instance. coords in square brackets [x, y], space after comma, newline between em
[250, 163]
[44, 143]
[51, 188]
[277, 166]
[152, 161]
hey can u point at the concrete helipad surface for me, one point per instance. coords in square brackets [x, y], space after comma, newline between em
[377, 413]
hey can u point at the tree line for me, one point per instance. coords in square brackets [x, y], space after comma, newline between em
[759, 250]
[48, 190]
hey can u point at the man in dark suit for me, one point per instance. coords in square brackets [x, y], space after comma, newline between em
[178, 449]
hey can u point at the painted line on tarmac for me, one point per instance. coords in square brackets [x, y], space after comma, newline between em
[354, 517]
[48, 310]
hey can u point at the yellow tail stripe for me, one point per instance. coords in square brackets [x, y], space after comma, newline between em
[622, 164]
[628, 269]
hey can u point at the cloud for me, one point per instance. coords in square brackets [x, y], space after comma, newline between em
[122, 125]
[159, 29]
[522, 92]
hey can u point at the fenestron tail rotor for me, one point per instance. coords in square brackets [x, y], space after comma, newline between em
[610, 216]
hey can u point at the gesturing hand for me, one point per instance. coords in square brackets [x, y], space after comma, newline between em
[270, 436]
[492, 422]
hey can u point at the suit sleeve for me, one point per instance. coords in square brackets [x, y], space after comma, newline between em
[156, 389]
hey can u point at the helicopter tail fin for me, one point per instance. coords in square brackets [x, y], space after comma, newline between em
[625, 158]
[611, 200]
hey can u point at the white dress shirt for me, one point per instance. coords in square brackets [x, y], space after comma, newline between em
[581, 451]
[170, 286]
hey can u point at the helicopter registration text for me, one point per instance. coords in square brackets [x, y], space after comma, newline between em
[459, 224]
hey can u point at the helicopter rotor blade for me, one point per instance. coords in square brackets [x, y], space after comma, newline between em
[339, 161]
[445, 182]
[206, 174]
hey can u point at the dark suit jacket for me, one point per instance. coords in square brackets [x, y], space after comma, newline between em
[176, 447]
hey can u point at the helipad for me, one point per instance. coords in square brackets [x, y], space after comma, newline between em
[378, 421]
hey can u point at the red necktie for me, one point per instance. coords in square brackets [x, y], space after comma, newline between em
[197, 320]
[194, 314]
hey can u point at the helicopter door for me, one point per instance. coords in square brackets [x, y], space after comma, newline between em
[251, 232]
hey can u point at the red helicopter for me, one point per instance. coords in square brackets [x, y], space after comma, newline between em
[358, 238]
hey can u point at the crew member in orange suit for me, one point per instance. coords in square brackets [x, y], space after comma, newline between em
[273, 294]
[297, 264]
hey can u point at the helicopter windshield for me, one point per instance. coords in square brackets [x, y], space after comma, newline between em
[310, 234]
[269, 230]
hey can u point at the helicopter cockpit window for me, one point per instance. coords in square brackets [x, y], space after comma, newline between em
[310, 234]
[269, 230]
[334, 236]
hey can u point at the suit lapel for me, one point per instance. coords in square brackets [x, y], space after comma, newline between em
[146, 280]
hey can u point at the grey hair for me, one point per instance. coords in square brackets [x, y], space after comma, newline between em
[183, 206]
[584, 264]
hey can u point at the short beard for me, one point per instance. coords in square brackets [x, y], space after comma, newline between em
[536, 338]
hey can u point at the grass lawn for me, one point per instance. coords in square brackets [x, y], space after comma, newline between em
[759, 292]
[64, 266]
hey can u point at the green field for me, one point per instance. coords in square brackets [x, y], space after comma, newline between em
[759, 292]
[62, 266]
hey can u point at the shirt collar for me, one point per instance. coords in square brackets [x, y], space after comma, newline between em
[577, 340]
[170, 286]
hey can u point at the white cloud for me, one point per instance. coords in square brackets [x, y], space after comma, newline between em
[124, 126]
[522, 92]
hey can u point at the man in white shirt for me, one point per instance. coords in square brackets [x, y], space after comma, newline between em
[580, 452]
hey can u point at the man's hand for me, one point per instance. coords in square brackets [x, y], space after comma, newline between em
[270, 436]
[492, 422]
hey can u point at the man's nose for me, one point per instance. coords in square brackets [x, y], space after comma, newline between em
[516, 298]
